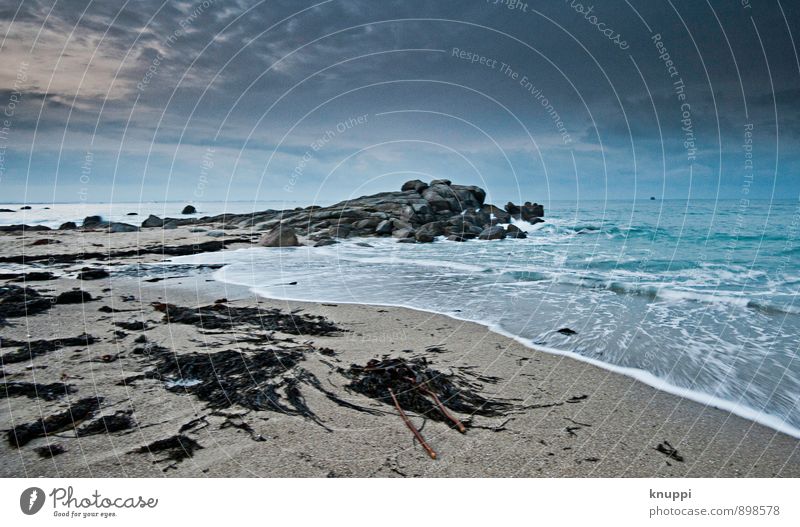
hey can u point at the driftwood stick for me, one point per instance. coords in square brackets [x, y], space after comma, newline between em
[444, 410]
[411, 427]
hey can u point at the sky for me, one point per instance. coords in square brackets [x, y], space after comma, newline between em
[315, 102]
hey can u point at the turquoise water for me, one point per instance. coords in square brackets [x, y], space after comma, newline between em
[698, 298]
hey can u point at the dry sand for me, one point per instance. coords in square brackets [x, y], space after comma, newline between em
[579, 421]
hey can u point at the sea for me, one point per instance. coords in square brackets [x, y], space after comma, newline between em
[694, 297]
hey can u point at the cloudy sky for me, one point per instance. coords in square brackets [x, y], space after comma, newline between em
[304, 101]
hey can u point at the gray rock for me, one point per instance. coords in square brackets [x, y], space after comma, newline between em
[434, 228]
[385, 227]
[216, 234]
[456, 238]
[189, 209]
[280, 236]
[403, 233]
[493, 233]
[406, 240]
[441, 182]
[153, 221]
[531, 211]
[512, 231]
[324, 242]
[499, 214]
[171, 224]
[423, 237]
[68, 226]
[340, 231]
[369, 223]
[92, 222]
[415, 184]
[122, 227]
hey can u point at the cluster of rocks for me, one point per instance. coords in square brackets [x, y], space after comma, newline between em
[419, 213]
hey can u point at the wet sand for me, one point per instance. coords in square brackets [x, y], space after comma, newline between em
[578, 420]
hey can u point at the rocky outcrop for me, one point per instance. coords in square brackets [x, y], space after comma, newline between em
[530, 212]
[418, 213]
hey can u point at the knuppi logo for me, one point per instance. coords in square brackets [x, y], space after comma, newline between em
[31, 500]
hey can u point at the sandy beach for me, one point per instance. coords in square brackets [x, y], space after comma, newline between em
[565, 418]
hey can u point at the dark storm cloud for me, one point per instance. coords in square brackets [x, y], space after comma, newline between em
[158, 85]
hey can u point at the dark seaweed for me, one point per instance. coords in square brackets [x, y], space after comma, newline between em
[52, 424]
[16, 301]
[225, 317]
[34, 348]
[45, 392]
[669, 451]
[456, 391]
[229, 377]
[175, 448]
[108, 424]
[50, 451]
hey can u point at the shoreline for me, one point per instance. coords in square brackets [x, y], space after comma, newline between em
[573, 419]
[643, 376]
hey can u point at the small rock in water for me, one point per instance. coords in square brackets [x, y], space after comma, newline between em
[189, 209]
[567, 331]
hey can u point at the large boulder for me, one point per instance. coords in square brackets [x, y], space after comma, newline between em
[434, 228]
[94, 222]
[415, 184]
[438, 197]
[496, 213]
[369, 223]
[189, 209]
[528, 212]
[512, 231]
[423, 237]
[493, 233]
[67, 226]
[384, 228]
[342, 230]
[153, 221]
[531, 211]
[280, 236]
[405, 232]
